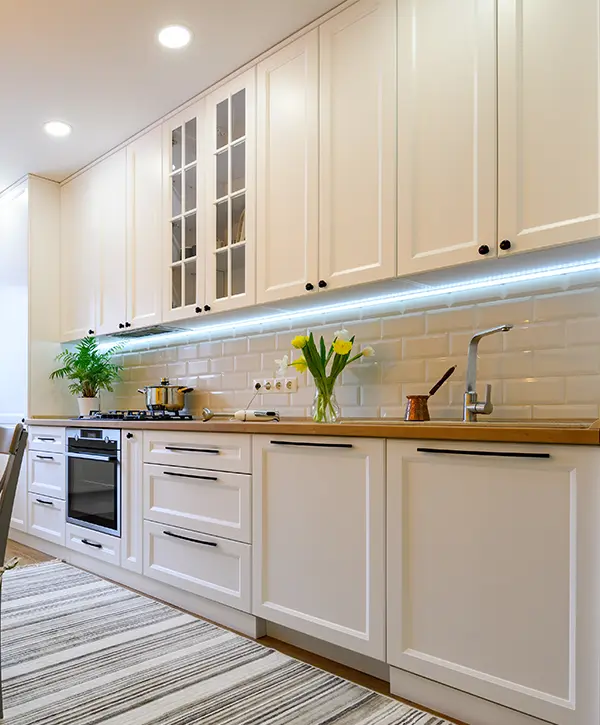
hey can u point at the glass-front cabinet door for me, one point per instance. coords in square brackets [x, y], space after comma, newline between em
[230, 168]
[184, 207]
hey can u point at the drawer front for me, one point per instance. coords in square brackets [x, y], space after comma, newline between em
[211, 567]
[214, 452]
[47, 473]
[93, 543]
[46, 518]
[211, 502]
[46, 438]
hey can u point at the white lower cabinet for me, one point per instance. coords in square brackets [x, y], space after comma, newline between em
[18, 518]
[493, 560]
[47, 473]
[215, 568]
[46, 518]
[131, 500]
[319, 538]
[93, 543]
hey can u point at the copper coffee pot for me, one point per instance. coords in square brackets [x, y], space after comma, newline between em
[416, 407]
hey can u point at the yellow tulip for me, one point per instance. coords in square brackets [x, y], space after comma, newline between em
[299, 341]
[300, 364]
[342, 347]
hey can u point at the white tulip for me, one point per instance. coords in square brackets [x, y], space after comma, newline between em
[368, 351]
[342, 334]
[282, 365]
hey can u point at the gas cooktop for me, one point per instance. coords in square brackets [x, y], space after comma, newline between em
[144, 415]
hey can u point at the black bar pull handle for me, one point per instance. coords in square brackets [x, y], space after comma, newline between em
[491, 454]
[46, 503]
[46, 440]
[190, 475]
[45, 458]
[213, 451]
[312, 445]
[91, 543]
[187, 538]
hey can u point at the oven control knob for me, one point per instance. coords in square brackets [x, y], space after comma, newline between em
[106, 439]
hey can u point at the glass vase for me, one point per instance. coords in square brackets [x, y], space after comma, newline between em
[325, 408]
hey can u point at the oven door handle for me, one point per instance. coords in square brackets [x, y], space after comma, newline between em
[92, 457]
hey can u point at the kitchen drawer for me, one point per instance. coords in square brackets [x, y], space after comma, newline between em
[209, 566]
[212, 502]
[93, 543]
[46, 473]
[46, 518]
[46, 438]
[211, 451]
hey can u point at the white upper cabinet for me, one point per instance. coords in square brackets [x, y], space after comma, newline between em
[144, 230]
[357, 240]
[184, 209]
[230, 199]
[548, 123]
[318, 538]
[78, 260]
[287, 223]
[109, 213]
[446, 133]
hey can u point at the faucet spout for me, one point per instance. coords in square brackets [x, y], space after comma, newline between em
[471, 406]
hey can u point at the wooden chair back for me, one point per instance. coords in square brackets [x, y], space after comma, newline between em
[12, 444]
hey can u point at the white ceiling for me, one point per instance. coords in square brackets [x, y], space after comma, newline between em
[97, 65]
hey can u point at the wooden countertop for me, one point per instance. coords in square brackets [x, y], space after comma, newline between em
[581, 432]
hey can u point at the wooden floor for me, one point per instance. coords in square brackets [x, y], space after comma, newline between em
[29, 556]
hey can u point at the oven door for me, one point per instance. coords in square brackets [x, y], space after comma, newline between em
[94, 492]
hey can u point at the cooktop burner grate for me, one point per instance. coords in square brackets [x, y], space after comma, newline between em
[144, 415]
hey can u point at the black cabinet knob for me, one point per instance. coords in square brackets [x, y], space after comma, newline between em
[121, 325]
[206, 308]
[484, 249]
[129, 435]
[128, 324]
[198, 309]
[309, 287]
[505, 244]
[90, 332]
[322, 284]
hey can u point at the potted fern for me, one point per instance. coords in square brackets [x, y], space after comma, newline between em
[89, 371]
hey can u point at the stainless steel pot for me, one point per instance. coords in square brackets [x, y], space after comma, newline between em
[165, 396]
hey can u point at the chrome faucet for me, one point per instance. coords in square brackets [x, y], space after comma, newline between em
[471, 407]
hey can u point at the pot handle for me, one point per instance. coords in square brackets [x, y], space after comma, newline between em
[142, 390]
[184, 390]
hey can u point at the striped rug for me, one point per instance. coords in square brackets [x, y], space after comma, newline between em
[78, 650]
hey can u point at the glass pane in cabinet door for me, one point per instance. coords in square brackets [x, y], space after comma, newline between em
[222, 230]
[221, 274]
[190, 188]
[190, 236]
[222, 174]
[238, 270]
[238, 218]
[176, 146]
[176, 195]
[238, 115]
[176, 286]
[190, 283]
[190, 141]
[222, 123]
[176, 240]
[238, 167]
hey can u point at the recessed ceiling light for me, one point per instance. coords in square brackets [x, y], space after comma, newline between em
[57, 128]
[174, 36]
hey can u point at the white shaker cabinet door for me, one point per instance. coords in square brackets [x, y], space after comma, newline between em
[493, 559]
[358, 145]
[446, 133]
[144, 230]
[287, 194]
[78, 260]
[318, 538]
[131, 500]
[548, 123]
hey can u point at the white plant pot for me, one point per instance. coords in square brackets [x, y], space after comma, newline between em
[86, 405]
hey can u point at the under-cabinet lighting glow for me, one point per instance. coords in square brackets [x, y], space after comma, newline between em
[174, 36]
[59, 129]
[383, 300]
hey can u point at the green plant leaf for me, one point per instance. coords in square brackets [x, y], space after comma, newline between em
[88, 369]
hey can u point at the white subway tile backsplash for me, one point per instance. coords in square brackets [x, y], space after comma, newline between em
[548, 366]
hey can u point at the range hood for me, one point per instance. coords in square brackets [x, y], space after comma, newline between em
[148, 331]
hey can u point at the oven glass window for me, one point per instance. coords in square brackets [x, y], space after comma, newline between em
[93, 492]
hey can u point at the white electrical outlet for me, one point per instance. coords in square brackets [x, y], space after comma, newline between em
[275, 385]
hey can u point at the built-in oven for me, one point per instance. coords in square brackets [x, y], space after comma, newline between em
[94, 479]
